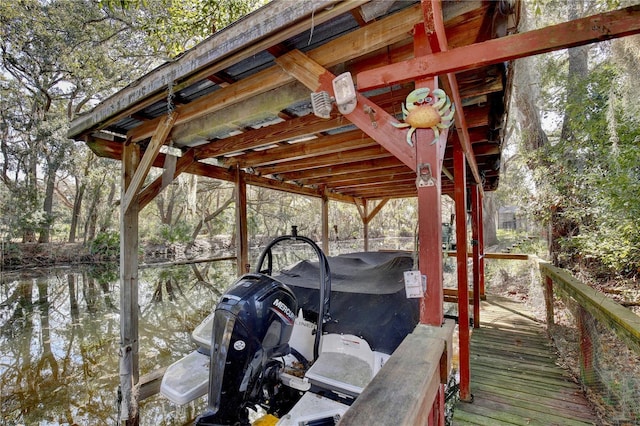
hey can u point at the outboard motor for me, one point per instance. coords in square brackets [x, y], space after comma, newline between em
[252, 326]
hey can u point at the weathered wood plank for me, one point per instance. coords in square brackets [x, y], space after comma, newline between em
[403, 392]
[226, 47]
[532, 398]
[514, 376]
[622, 321]
[520, 416]
[487, 374]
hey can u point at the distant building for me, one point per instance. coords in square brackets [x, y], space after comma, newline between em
[508, 218]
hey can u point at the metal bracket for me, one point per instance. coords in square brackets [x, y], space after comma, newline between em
[368, 110]
[425, 178]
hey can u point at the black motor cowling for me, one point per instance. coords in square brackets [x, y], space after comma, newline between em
[252, 326]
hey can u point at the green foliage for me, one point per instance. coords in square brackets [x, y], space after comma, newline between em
[173, 26]
[106, 244]
[177, 233]
[589, 172]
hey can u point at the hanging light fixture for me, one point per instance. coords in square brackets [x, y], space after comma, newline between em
[345, 97]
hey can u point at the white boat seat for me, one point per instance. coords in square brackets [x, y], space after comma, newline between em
[346, 364]
[186, 379]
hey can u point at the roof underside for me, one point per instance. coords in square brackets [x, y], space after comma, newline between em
[238, 108]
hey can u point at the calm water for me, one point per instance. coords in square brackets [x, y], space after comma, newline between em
[59, 334]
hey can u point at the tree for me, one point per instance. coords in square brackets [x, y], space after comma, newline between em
[585, 172]
[171, 27]
[57, 58]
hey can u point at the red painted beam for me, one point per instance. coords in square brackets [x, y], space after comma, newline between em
[376, 123]
[476, 223]
[605, 26]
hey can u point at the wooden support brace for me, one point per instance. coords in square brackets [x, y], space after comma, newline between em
[325, 222]
[429, 186]
[463, 301]
[376, 123]
[157, 140]
[476, 222]
[154, 188]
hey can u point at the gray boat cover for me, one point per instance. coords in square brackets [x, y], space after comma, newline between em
[368, 297]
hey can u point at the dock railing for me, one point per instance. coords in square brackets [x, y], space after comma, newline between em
[409, 389]
[608, 341]
[597, 338]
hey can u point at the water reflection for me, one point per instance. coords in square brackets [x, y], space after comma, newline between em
[59, 332]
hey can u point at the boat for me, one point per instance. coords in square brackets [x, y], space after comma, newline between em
[299, 343]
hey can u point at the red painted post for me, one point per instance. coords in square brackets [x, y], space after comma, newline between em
[429, 157]
[475, 245]
[460, 197]
[481, 240]
[429, 169]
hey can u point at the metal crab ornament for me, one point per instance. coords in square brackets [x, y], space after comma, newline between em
[422, 111]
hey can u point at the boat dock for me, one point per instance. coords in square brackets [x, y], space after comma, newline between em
[514, 376]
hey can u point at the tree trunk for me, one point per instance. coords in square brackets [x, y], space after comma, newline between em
[77, 208]
[109, 214]
[489, 220]
[45, 233]
[207, 219]
[92, 217]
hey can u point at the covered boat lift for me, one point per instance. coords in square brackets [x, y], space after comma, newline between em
[237, 107]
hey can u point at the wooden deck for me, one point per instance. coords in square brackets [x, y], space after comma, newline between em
[514, 378]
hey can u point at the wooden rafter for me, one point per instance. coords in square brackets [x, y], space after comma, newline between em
[619, 23]
[375, 36]
[319, 146]
[356, 175]
[362, 166]
[342, 157]
[288, 130]
[378, 125]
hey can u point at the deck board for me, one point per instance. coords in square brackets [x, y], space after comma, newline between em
[514, 376]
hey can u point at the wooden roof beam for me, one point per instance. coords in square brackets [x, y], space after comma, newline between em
[287, 130]
[604, 26]
[366, 180]
[362, 166]
[317, 78]
[368, 174]
[288, 152]
[371, 38]
[394, 191]
[342, 157]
